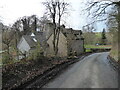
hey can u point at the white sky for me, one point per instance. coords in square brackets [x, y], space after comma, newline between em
[11, 10]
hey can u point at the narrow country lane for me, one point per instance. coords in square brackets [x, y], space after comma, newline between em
[93, 71]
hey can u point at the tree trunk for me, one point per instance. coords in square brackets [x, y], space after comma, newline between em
[57, 41]
[58, 30]
[54, 32]
[17, 53]
[8, 51]
[54, 37]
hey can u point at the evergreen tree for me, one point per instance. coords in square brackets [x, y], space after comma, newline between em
[103, 39]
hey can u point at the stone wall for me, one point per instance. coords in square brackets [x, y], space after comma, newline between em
[48, 29]
[62, 46]
[69, 41]
[77, 46]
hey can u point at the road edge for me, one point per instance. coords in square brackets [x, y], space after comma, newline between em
[49, 74]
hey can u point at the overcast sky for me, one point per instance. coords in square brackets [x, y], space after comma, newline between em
[11, 10]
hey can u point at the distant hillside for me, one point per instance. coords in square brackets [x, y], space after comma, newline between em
[108, 36]
[95, 37]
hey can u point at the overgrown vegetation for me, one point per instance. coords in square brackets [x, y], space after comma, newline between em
[25, 70]
[100, 9]
[92, 37]
[21, 71]
[37, 54]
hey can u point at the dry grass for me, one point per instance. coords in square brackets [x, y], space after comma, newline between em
[114, 52]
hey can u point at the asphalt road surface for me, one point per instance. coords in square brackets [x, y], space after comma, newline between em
[94, 71]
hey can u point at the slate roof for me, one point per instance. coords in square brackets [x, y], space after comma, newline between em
[29, 40]
[69, 33]
[39, 37]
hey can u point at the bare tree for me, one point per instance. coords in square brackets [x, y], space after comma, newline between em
[112, 24]
[56, 9]
[43, 21]
[89, 35]
[7, 37]
[26, 24]
[99, 9]
[33, 22]
[17, 35]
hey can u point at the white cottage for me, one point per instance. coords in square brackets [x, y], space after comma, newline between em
[29, 42]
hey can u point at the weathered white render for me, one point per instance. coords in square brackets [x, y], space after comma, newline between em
[29, 42]
[23, 46]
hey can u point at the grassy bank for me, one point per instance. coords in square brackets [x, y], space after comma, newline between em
[114, 54]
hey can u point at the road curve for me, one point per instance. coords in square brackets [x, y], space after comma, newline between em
[93, 71]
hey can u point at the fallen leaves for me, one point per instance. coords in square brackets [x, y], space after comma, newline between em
[20, 72]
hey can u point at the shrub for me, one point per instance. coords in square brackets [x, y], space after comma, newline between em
[37, 54]
[7, 58]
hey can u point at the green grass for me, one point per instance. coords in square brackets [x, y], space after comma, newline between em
[87, 50]
[88, 47]
[99, 46]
